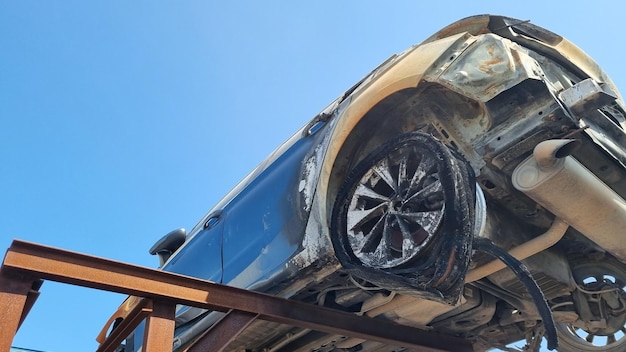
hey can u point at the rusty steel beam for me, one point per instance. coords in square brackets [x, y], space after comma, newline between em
[83, 270]
[31, 298]
[223, 332]
[14, 291]
[138, 313]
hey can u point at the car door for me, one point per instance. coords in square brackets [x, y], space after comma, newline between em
[201, 257]
[266, 221]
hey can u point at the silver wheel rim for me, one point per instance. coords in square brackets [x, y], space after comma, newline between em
[588, 339]
[396, 208]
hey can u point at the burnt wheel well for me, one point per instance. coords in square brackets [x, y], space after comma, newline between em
[426, 109]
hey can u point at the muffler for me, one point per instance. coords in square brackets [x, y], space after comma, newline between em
[559, 183]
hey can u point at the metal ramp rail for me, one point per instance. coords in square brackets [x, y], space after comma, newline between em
[26, 265]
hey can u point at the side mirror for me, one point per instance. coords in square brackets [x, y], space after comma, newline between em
[168, 244]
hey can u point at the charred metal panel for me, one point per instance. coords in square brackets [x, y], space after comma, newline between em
[488, 67]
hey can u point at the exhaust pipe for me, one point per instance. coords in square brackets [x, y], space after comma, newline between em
[559, 183]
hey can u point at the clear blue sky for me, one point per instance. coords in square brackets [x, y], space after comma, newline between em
[122, 120]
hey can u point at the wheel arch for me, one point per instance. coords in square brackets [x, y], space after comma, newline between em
[427, 106]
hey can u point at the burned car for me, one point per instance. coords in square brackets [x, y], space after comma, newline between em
[492, 136]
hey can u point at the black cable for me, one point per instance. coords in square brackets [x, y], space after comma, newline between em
[522, 273]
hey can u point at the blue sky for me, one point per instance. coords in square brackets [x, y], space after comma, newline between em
[120, 121]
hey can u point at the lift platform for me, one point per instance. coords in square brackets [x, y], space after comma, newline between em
[26, 265]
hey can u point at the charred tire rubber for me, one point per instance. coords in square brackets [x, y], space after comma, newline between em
[404, 217]
[598, 276]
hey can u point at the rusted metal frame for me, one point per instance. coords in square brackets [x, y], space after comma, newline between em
[31, 298]
[335, 322]
[140, 312]
[83, 270]
[18, 293]
[79, 269]
[160, 327]
[223, 332]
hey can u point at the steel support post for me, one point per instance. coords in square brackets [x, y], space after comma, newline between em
[159, 332]
[14, 305]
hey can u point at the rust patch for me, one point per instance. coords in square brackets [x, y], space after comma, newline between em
[486, 66]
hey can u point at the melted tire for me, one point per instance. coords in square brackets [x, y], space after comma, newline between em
[404, 218]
